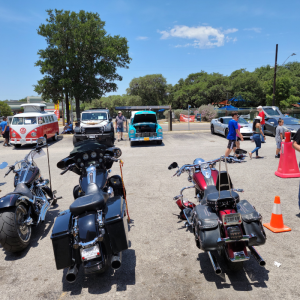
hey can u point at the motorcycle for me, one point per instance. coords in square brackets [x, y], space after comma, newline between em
[28, 204]
[93, 231]
[221, 222]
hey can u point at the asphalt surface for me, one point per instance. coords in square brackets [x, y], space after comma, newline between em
[163, 261]
[184, 126]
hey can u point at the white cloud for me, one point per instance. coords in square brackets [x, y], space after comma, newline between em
[142, 38]
[255, 29]
[203, 36]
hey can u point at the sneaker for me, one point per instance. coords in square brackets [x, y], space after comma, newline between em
[277, 156]
[122, 139]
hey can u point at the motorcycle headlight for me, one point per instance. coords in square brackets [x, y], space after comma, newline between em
[131, 131]
[159, 130]
[33, 133]
[13, 134]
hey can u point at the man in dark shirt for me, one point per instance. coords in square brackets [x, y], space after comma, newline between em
[296, 146]
[232, 134]
[120, 121]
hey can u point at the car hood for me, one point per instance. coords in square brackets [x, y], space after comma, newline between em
[143, 123]
[291, 127]
[93, 123]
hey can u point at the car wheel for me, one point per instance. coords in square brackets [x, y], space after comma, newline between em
[226, 132]
[159, 142]
[131, 143]
[212, 129]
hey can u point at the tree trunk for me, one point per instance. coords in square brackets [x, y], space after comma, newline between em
[77, 103]
[63, 110]
[67, 107]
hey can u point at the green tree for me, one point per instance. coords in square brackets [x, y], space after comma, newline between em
[152, 89]
[81, 59]
[282, 92]
[5, 110]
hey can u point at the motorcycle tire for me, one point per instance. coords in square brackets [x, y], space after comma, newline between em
[14, 237]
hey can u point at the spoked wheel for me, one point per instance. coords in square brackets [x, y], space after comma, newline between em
[14, 234]
[212, 129]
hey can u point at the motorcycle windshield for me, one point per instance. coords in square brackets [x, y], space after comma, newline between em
[87, 145]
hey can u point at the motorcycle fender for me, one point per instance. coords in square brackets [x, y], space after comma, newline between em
[87, 227]
[10, 201]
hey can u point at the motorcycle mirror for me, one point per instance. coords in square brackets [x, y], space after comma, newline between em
[173, 166]
[41, 140]
[116, 151]
[3, 165]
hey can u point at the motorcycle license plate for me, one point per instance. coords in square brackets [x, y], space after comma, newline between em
[146, 139]
[90, 253]
[232, 219]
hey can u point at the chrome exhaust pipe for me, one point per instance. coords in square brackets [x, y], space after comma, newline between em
[116, 261]
[257, 256]
[44, 210]
[72, 274]
[214, 263]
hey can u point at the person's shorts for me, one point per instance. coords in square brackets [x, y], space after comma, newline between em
[238, 139]
[120, 129]
[231, 144]
[278, 144]
[6, 135]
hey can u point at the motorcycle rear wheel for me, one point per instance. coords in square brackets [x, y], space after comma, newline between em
[14, 235]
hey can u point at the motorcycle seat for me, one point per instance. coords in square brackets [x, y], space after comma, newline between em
[214, 200]
[23, 190]
[90, 202]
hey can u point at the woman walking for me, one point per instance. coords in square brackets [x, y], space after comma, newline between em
[256, 136]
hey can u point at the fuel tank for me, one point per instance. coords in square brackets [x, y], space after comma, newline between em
[101, 177]
[32, 175]
[201, 181]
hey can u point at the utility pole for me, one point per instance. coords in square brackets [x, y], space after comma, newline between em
[189, 116]
[275, 68]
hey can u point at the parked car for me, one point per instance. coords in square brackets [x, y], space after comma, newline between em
[272, 111]
[220, 126]
[95, 124]
[290, 125]
[143, 126]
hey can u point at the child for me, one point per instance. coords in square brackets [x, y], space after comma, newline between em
[279, 137]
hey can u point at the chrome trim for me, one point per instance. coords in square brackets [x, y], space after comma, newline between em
[245, 238]
[214, 263]
[181, 196]
[91, 243]
[110, 191]
[116, 261]
[27, 199]
[239, 256]
[45, 182]
[91, 171]
[100, 219]
[28, 221]
[257, 256]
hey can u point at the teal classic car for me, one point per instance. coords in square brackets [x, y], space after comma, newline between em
[144, 127]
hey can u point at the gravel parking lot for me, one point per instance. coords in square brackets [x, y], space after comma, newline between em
[163, 261]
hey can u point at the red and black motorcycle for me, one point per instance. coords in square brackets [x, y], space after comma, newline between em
[221, 221]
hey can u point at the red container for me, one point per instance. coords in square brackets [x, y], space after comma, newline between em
[287, 137]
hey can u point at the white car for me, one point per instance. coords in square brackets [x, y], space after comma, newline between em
[220, 126]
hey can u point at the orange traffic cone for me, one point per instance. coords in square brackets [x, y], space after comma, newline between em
[276, 224]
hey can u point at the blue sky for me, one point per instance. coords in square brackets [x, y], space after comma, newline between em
[173, 38]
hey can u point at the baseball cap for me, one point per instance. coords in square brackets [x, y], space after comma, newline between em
[259, 107]
[119, 112]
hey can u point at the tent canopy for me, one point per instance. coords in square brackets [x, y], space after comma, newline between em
[228, 107]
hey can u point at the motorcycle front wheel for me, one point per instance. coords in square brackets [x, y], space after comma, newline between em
[14, 234]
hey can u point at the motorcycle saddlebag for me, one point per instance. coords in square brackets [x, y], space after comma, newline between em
[207, 229]
[116, 223]
[62, 240]
[251, 222]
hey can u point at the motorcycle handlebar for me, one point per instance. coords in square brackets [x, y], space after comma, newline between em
[10, 169]
[67, 169]
[210, 162]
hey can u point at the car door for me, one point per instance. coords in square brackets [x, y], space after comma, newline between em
[219, 125]
[270, 126]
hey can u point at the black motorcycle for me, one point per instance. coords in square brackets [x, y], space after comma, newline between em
[93, 232]
[28, 204]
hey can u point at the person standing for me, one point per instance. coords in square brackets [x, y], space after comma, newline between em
[296, 146]
[257, 132]
[5, 131]
[262, 122]
[279, 137]
[237, 137]
[233, 131]
[120, 125]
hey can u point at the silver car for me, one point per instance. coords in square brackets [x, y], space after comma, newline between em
[220, 126]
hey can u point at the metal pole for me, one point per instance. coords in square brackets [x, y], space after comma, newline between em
[170, 120]
[188, 117]
[274, 84]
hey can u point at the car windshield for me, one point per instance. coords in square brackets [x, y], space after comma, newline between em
[272, 111]
[242, 121]
[24, 121]
[291, 121]
[226, 120]
[99, 116]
